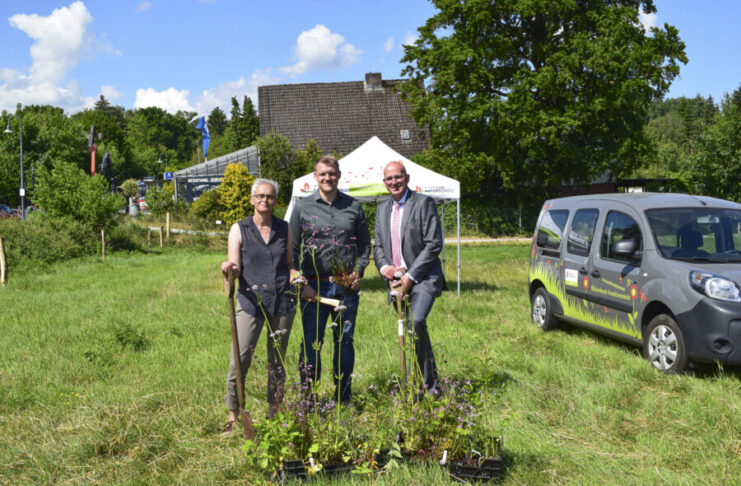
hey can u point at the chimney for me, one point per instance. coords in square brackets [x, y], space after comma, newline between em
[373, 82]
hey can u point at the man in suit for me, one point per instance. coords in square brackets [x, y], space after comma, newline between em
[408, 240]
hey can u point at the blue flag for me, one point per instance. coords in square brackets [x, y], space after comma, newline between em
[206, 136]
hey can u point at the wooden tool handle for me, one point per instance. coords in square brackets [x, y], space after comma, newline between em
[328, 301]
[229, 282]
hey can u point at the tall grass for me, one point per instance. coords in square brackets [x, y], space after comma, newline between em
[113, 373]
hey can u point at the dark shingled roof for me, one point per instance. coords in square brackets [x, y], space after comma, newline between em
[340, 116]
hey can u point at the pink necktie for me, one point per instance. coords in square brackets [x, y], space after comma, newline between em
[395, 239]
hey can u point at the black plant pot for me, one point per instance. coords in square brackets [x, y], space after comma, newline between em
[381, 458]
[333, 470]
[489, 469]
[293, 469]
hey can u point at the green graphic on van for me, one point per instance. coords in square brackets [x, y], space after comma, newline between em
[549, 272]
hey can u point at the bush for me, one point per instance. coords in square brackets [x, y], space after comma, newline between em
[66, 190]
[206, 206]
[42, 239]
[127, 236]
[235, 194]
[159, 200]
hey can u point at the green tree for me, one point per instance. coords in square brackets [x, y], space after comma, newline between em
[159, 199]
[152, 131]
[48, 136]
[235, 127]
[129, 187]
[250, 123]
[539, 92]
[117, 113]
[716, 160]
[234, 194]
[217, 122]
[671, 149]
[305, 159]
[277, 162]
[67, 191]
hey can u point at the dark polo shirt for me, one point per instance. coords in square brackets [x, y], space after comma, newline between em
[337, 235]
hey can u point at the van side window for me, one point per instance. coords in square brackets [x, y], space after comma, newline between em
[618, 227]
[551, 229]
[582, 231]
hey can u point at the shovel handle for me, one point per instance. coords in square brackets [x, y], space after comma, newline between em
[249, 431]
[229, 283]
[328, 301]
[401, 330]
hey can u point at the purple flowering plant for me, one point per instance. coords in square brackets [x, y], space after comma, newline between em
[440, 420]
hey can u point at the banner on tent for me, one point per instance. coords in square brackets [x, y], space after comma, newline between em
[378, 189]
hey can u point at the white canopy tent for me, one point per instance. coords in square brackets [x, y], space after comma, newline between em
[362, 178]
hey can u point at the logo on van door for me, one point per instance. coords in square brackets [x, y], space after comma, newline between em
[620, 318]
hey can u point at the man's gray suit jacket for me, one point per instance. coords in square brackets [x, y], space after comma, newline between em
[421, 240]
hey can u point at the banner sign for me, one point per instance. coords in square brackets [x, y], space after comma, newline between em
[195, 186]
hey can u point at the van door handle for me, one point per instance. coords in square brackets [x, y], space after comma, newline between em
[583, 271]
[596, 274]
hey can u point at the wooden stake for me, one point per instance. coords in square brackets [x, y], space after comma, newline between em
[149, 240]
[102, 240]
[167, 222]
[161, 242]
[3, 263]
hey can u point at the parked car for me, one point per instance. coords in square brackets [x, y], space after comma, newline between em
[8, 212]
[658, 270]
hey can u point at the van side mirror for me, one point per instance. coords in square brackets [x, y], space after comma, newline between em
[542, 239]
[626, 248]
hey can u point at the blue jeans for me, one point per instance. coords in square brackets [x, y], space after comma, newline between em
[310, 362]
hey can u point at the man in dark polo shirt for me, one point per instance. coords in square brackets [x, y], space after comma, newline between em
[332, 247]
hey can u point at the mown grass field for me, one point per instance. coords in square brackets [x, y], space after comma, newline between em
[113, 373]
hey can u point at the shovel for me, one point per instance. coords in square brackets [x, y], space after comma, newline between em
[249, 432]
[402, 328]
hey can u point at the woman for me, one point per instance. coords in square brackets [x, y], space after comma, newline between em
[260, 252]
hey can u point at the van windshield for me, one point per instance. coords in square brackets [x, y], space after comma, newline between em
[697, 234]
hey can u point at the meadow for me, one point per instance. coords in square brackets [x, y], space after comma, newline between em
[113, 373]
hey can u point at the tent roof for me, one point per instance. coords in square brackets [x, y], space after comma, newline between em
[362, 176]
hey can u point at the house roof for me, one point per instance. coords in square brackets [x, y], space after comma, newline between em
[340, 117]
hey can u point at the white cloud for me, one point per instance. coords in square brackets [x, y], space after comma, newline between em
[221, 95]
[319, 49]
[110, 92]
[410, 38]
[61, 41]
[170, 100]
[143, 6]
[389, 44]
[647, 20]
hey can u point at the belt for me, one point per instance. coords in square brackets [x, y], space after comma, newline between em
[322, 278]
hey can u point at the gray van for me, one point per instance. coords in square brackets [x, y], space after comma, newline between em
[657, 270]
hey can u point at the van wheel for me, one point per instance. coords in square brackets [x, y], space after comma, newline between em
[540, 310]
[663, 345]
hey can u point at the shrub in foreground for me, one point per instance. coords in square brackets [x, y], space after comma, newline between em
[43, 239]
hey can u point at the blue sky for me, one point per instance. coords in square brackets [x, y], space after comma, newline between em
[197, 54]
